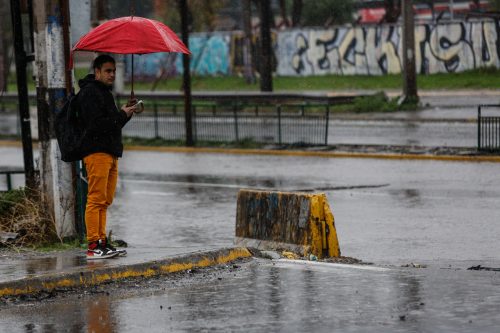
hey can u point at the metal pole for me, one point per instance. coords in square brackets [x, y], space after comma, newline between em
[22, 92]
[266, 78]
[409, 71]
[479, 127]
[235, 115]
[278, 109]
[327, 121]
[187, 74]
[157, 135]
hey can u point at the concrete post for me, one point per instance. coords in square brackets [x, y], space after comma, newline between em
[56, 176]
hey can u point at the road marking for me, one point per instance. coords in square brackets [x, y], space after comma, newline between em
[328, 265]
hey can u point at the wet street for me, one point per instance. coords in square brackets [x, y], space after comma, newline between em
[434, 214]
[279, 296]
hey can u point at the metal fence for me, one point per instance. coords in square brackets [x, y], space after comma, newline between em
[488, 128]
[233, 122]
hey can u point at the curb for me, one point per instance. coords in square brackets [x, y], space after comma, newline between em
[298, 153]
[391, 156]
[91, 277]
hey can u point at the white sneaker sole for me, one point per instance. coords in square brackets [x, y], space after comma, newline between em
[108, 256]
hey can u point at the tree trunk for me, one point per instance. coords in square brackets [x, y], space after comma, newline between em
[247, 42]
[286, 22]
[296, 13]
[266, 78]
[392, 11]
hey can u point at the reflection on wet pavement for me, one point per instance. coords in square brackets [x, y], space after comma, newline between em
[281, 297]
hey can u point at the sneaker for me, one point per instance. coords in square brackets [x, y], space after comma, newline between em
[110, 247]
[94, 251]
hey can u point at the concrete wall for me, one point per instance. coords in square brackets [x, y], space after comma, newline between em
[369, 50]
[376, 50]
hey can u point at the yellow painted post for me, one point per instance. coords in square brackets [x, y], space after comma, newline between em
[299, 222]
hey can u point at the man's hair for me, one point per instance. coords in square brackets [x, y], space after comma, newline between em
[102, 59]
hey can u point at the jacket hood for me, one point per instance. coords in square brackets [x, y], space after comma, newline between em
[90, 79]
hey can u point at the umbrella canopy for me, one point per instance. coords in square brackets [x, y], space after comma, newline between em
[130, 35]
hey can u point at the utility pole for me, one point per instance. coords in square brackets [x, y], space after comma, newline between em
[266, 71]
[409, 72]
[53, 82]
[186, 74]
[22, 60]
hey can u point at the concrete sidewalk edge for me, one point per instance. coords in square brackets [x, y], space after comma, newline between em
[304, 153]
[88, 277]
[323, 154]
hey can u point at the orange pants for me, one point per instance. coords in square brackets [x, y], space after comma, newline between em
[102, 175]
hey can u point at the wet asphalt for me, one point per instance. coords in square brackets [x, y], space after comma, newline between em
[439, 216]
[262, 295]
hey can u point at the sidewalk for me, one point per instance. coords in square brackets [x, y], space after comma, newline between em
[70, 269]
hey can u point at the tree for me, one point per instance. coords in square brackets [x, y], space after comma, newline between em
[296, 12]
[201, 13]
[392, 11]
[325, 12]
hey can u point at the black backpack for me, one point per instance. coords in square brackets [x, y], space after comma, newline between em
[70, 130]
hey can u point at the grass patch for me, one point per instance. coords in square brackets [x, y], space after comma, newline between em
[69, 244]
[476, 79]
[10, 199]
[484, 78]
[378, 102]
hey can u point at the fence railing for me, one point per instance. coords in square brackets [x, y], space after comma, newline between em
[232, 122]
[488, 128]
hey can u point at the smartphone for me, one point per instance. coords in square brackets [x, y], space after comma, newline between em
[138, 103]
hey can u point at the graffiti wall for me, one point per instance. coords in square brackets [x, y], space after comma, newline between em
[376, 50]
[367, 50]
[210, 54]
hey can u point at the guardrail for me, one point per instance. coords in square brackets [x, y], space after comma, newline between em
[264, 117]
[488, 129]
[234, 122]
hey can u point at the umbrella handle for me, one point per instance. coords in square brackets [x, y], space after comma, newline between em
[132, 95]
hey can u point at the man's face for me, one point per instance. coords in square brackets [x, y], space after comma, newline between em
[106, 74]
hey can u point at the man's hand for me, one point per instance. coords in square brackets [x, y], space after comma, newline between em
[129, 110]
[131, 102]
[138, 107]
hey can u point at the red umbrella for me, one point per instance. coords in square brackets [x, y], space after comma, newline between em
[130, 35]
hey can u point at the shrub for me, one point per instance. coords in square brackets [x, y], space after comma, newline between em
[22, 212]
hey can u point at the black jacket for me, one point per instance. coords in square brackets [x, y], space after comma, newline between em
[100, 117]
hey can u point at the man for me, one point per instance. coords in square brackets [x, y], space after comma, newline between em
[101, 146]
